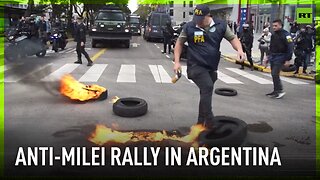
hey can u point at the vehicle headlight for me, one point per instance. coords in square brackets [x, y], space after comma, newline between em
[55, 35]
[94, 29]
[101, 25]
[11, 37]
[118, 26]
[138, 30]
[126, 30]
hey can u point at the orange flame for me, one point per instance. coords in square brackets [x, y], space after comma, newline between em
[77, 91]
[103, 135]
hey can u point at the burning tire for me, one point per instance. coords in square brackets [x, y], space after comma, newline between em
[130, 107]
[226, 91]
[227, 131]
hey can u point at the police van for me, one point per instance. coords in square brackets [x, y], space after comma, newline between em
[111, 24]
[153, 25]
[135, 24]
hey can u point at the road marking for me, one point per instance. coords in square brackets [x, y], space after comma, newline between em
[13, 78]
[289, 80]
[96, 56]
[134, 45]
[228, 79]
[127, 73]
[250, 76]
[168, 56]
[184, 73]
[56, 75]
[94, 73]
[160, 75]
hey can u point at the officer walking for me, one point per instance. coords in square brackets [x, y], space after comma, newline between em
[204, 35]
[80, 38]
[246, 39]
[167, 37]
[281, 48]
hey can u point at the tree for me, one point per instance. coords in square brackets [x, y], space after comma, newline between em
[29, 8]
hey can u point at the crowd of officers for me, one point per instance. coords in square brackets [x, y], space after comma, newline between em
[303, 39]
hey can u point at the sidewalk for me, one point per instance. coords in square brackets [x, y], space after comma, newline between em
[230, 54]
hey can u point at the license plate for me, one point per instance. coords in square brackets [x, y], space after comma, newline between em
[110, 29]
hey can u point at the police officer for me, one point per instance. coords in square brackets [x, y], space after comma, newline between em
[80, 38]
[42, 24]
[281, 48]
[204, 35]
[302, 50]
[167, 37]
[246, 39]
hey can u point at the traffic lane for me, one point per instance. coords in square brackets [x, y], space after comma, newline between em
[139, 49]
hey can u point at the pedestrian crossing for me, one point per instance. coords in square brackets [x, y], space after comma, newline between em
[129, 73]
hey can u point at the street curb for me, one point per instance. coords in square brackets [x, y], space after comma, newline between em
[268, 70]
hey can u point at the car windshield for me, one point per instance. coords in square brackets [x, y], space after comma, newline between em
[134, 20]
[155, 20]
[164, 20]
[110, 16]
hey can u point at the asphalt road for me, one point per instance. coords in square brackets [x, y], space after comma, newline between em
[35, 112]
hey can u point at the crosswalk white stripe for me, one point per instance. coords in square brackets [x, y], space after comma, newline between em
[228, 79]
[288, 80]
[184, 73]
[94, 73]
[160, 75]
[250, 76]
[155, 73]
[13, 78]
[56, 75]
[127, 73]
[164, 76]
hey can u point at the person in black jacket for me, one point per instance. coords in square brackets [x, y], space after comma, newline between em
[246, 39]
[167, 37]
[281, 49]
[303, 49]
[42, 24]
[80, 38]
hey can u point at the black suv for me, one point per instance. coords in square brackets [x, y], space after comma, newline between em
[111, 24]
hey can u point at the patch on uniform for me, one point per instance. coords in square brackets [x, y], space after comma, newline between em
[212, 29]
[289, 39]
[198, 37]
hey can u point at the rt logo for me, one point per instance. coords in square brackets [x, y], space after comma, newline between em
[304, 15]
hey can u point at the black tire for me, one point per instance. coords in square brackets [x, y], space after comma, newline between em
[290, 68]
[127, 44]
[42, 53]
[93, 44]
[103, 96]
[130, 107]
[226, 132]
[226, 91]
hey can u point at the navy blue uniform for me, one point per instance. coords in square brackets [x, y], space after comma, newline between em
[203, 59]
[80, 36]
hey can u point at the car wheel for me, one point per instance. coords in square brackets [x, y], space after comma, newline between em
[225, 132]
[93, 44]
[127, 44]
[130, 107]
[41, 54]
[226, 91]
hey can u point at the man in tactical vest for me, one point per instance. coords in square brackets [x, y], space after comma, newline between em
[204, 35]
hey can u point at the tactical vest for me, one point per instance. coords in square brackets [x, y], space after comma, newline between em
[204, 46]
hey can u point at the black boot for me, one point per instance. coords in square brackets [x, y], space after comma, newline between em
[90, 63]
[78, 62]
